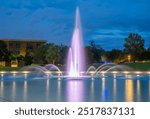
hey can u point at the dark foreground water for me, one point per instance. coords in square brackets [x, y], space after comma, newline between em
[109, 88]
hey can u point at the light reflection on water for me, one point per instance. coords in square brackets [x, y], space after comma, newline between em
[25, 90]
[92, 90]
[13, 90]
[138, 90]
[114, 89]
[1, 88]
[47, 89]
[59, 90]
[75, 90]
[129, 90]
[103, 89]
[149, 88]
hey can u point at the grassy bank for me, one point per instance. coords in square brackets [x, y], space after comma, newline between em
[139, 66]
[9, 68]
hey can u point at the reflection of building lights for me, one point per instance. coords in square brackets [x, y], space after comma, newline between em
[129, 90]
[103, 83]
[92, 90]
[149, 87]
[103, 78]
[2, 75]
[115, 76]
[59, 89]
[25, 90]
[47, 88]
[25, 76]
[138, 90]
[2, 85]
[14, 73]
[59, 78]
[14, 90]
[1, 88]
[92, 78]
[47, 85]
[129, 76]
[115, 89]
[103, 88]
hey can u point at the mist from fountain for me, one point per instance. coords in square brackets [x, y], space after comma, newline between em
[103, 66]
[91, 68]
[52, 67]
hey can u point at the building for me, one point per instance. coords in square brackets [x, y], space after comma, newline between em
[18, 46]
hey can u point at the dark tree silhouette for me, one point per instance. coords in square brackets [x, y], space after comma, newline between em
[114, 54]
[97, 51]
[134, 45]
[4, 53]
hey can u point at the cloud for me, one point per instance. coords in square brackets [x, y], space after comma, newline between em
[104, 21]
[114, 38]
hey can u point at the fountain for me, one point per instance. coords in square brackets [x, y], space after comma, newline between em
[76, 57]
[102, 86]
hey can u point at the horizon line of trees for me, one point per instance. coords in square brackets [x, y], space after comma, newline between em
[57, 54]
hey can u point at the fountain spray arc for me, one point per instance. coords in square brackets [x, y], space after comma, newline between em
[76, 56]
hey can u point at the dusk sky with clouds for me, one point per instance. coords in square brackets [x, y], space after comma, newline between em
[107, 22]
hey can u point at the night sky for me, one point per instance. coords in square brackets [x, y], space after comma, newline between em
[107, 22]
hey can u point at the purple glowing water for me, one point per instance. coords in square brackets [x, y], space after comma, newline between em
[76, 56]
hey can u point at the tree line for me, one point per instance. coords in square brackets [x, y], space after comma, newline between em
[56, 54]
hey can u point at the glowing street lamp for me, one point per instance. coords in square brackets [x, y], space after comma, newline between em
[129, 58]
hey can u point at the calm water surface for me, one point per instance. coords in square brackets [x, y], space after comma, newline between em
[106, 89]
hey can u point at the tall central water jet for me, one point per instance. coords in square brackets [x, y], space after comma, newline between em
[76, 56]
